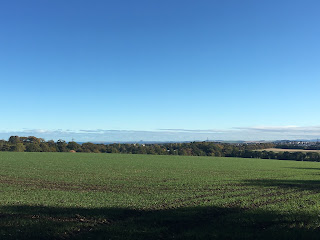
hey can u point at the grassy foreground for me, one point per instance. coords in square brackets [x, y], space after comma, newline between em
[113, 196]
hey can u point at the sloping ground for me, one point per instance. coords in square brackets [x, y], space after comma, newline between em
[114, 196]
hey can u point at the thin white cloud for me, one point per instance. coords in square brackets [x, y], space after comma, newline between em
[194, 130]
[109, 135]
[292, 130]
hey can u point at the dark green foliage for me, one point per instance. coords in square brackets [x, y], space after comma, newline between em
[73, 146]
[17, 147]
[294, 145]
[44, 147]
[62, 146]
[33, 147]
[90, 147]
[14, 140]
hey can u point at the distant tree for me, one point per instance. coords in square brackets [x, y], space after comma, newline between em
[23, 139]
[285, 156]
[32, 139]
[313, 156]
[102, 148]
[33, 147]
[51, 143]
[90, 147]
[123, 148]
[114, 149]
[141, 150]
[299, 156]
[150, 150]
[44, 147]
[2, 142]
[5, 146]
[52, 146]
[73, 146]
[265, 154]
[62, 146]
[19, 147]
[14, 140]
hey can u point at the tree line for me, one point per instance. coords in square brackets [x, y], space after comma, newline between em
[217, 149]
[297, 146]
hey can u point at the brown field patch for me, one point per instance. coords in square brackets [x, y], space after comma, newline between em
[288, 150]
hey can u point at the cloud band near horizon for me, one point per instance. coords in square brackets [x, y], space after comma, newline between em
[109, 135]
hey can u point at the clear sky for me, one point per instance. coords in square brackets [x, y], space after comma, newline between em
[160, 69]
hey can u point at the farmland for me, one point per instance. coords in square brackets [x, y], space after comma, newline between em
[288, 150]
[126, 196]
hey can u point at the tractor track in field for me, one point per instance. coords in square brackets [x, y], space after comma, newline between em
[64, 186]
[203, 198]
[235, 206]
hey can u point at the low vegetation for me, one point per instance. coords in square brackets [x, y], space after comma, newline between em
[125, 196]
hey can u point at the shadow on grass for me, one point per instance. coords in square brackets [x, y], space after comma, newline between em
[39, 222]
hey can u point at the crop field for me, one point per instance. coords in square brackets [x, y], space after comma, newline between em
[118, 196]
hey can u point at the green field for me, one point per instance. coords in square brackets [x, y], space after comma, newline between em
[114, 196]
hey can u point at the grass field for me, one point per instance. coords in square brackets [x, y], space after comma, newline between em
[113, 196]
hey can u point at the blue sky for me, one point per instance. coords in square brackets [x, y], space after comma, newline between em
[167, 70]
